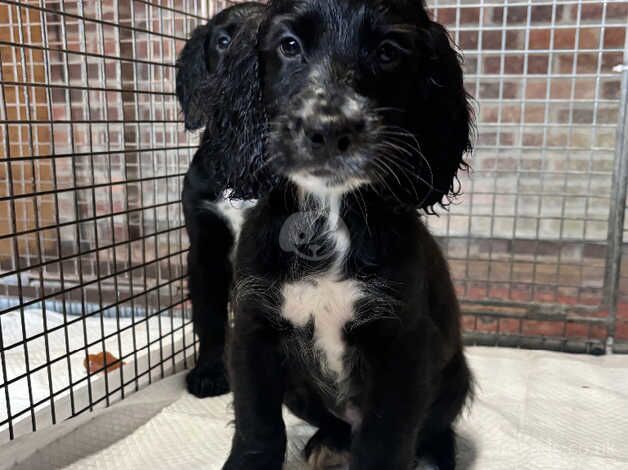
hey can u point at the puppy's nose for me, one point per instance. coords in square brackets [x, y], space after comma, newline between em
[332, 135]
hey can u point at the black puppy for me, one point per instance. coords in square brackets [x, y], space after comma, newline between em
[216, 168]
[366, 117]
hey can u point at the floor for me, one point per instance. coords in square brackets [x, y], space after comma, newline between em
[533, 410]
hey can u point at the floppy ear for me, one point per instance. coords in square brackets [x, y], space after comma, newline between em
[192, 71]
[237, 125]
[446, 124]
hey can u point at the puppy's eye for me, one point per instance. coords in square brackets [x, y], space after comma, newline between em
[388, 54]
[223, 42]
[290, 47]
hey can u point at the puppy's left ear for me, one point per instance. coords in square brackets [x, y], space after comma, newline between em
[447, 121]
[192, 72]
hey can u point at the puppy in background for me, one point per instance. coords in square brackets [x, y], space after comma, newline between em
[218, 168]
[344, 307]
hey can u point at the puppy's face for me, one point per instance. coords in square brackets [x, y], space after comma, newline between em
[350, 87]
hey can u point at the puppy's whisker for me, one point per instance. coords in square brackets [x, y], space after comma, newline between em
[390, 170]
[429, 184]
[389, 108]
[401, 132]
[404, 172]
[381, 178]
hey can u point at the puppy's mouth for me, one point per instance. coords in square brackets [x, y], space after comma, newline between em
[327, 171]
[327, 180]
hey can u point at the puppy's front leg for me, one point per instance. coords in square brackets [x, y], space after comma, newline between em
[398, 394]
[259, 442]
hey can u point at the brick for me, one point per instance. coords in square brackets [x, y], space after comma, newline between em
[491, 40]
[544, 295]
[598, 332]
[543, 13]
[618, 11]
[515, 40]
[607, 116]
[470, 65]
[584, 88]
[477, 291]
[565, 62]
[538, 64]
[564, 38]
[517, 15]
[614, 37]
[539, 39]
[589, 38]
[487, 138]
[497, 15]
[534, 113]
[468, 40]
[513, 65]
[509, 325]
[536, 89]
[446, 15]
[611, 89]
[470, 15]
[577, 330]
[578, 116]
[521, 293]
[622, 310]
[587, 62]
[498, 291]
[568, 295]
[511, 113]
[511, 90]
[532, 139]
[489, 90]
[621, 330]
[542, 328]
[610, 60]
[591, 12]
[468, 323]
[486, 324]
[507, 138]
[491, 65]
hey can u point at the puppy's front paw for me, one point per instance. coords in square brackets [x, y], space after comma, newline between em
[208, 380]
[328, 451]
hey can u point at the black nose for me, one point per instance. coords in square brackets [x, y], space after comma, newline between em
[329, 136]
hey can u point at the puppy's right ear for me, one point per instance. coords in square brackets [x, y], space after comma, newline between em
[192, 72]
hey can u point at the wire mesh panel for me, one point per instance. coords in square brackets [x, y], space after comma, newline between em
[92, 244]
[527, 245]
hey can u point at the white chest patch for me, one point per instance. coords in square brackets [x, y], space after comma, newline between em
[329, 303]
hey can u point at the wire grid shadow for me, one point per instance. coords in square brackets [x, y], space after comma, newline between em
[92, 242]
